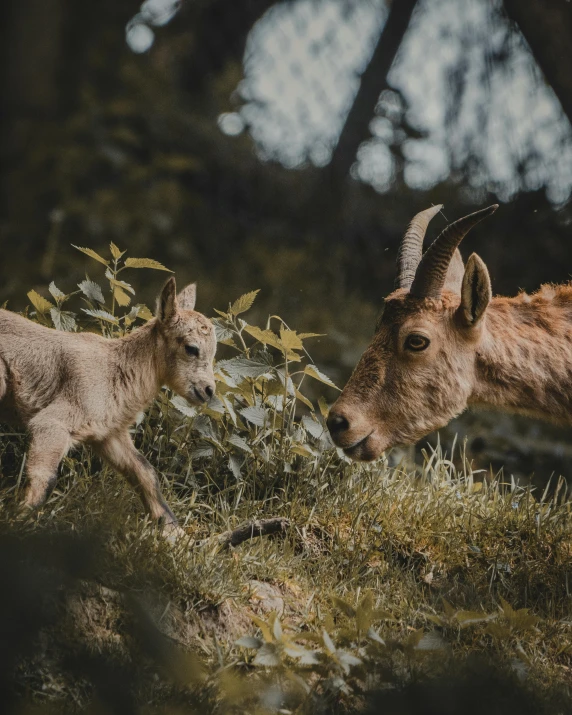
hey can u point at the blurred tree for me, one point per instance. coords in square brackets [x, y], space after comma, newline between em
[373, 81]
[547, 28]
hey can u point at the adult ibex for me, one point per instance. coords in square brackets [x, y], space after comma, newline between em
[442, 344]
[68, 388]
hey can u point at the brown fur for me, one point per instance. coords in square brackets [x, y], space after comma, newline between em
[509, 353]
[68, 388]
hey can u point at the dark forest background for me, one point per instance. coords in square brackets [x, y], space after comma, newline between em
[285, 146]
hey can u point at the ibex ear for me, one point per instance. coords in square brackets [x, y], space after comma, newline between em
[455, 273]
[188, 297]
[475, 291]
[167, 302]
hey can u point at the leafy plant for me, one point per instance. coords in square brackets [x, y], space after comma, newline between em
[103, 310]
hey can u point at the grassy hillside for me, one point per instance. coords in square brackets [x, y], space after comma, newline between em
[382, 589]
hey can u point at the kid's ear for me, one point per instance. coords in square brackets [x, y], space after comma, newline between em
[475, 291]
[188, 297]
[167, 302]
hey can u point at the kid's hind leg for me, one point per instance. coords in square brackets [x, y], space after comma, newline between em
[50, 442]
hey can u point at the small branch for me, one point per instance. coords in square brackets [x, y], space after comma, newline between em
[250, 530]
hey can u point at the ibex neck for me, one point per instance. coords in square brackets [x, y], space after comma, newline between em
[524, 359]
[140, 366]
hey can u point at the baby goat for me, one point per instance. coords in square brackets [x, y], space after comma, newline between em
[442, 344]
[68, 388]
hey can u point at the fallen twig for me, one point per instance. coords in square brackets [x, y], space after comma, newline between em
[250, 530]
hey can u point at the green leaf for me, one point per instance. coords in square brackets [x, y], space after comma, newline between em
[430, 641]
[121, 284]
[449, 610]
[324, 409]
[468, 618]
[55, 291]
[180, 404]
[347, 659]
[39, 302]
[121, 296]
[237, 441]
[374, 635]
[240, 367]
[131, 316]
[267, 656]
[380, 614]
[92, 254]
[302, 450]
[328, 642]
[115, 252]
[304, 400]
[313, 371]
[223, 334]
[202, 451]
[312, 426]
[249, 642]
[264, 627]
[234, 465]
[256, 415]
[302, 655]
[146, 263]
[290, 340]
[144, 312]
[63, 320]
[229, 408]
[101, 315]
[91, 290]
[363, 619]
[345, 607]
[266, 337]
[244, 303]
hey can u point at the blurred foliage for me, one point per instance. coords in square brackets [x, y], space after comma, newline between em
[390, 586]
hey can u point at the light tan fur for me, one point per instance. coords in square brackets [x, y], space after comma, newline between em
[68, 388]
[509, 353]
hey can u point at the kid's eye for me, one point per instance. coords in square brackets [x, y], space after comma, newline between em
[416, 342]
[192, 350]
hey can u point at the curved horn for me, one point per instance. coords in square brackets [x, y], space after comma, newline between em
[411, 247]
[432, 271]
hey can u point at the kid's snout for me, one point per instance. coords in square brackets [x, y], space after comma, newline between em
[203, 392]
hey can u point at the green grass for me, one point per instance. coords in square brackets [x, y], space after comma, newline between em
[386, 578]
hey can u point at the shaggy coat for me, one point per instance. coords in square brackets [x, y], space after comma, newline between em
[68, 388]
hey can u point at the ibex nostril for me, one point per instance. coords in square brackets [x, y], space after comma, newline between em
[337, 423]
[199, 395]
[209, 389]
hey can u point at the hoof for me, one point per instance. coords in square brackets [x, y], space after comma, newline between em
[173, 533]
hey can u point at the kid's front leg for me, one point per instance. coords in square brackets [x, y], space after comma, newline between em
[120, 452]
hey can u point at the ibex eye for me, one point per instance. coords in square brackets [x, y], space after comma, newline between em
[192, 350]
[417, 342]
